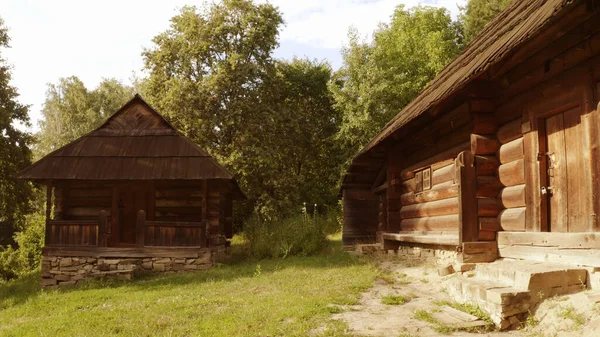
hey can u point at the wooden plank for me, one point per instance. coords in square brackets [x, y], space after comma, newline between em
[443, 174]
[512, 219]
[101, 235]
[510, 131]
[175, 252]
[484, 123]
[203, 237]
[488, 207]
[486, 165]
[437, 192]
[433, 208]
[582, 257]
[513, 196]
[551, 239]
[557, 177]
[578, 194]
[484, 144]
[467, 199]
[536, 210]
[439, 160]
[488, 186]
[512, 173]
[140, 228]
[434, 223]
[49, 236]
[490, 224]
[511, 151]
[487, 235]
[437, 239]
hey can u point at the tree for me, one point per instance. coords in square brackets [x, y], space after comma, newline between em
[379, 78]
[71, 110]
[477, 13]
[15, 153]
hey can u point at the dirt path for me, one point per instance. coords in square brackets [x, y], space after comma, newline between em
[425, 292]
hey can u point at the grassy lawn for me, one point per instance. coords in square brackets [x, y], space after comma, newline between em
[288, 297]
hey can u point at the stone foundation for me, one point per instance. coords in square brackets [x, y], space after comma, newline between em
[435, 254]
[71, 270]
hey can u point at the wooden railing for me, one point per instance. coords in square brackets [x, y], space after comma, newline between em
[77, 232]
[169, 233]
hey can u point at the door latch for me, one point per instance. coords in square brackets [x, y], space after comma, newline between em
[547, 190]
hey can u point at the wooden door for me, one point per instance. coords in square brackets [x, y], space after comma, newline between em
[132, 198]
[562, 171]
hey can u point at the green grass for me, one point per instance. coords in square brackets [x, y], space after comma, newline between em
[395, 299]
[570, 313]
[288, 297]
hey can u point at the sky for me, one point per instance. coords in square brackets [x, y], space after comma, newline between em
[104, 39]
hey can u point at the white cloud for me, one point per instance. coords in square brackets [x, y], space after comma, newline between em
[104, 39]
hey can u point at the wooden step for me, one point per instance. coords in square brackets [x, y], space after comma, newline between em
[533, 275]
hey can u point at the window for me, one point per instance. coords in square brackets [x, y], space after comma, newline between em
[423, 180]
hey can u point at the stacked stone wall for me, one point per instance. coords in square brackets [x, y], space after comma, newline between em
[71, 270]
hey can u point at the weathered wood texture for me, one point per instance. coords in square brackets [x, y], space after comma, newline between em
[360, 211]
[467, 197]
[72, 233]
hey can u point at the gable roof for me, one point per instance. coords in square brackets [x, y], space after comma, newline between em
[516, 25]
[136, 143]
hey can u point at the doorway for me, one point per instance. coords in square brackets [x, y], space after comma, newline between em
[562, 168]
[131, 199]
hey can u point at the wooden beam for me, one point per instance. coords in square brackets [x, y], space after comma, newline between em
[203, 236]
[140, 228]
[101, 235]
[467, 199]
[48, 209]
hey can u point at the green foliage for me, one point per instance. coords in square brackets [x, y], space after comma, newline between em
[296, 235]
[380, 78]
[71, 110]
[270, 122]
[16, 262]
[15, 153]
[477, 14]
[291, 297]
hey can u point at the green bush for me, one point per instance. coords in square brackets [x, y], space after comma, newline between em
[16, 262]
[297, 235]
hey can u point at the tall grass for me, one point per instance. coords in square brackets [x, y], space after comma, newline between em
[300, 235]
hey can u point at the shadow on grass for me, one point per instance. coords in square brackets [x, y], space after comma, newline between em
[17, 292]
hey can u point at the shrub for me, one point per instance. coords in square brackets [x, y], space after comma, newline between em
[16, 262]
[297, 235]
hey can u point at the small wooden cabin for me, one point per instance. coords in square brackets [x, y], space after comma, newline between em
[135, 188]
[501, 147]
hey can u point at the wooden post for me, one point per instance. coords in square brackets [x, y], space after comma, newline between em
[140, 228]
[467, 197]
[203, 239]
[101, 233]
[113, 230]
[48, 211]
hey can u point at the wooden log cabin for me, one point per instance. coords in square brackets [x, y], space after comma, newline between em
[501, 150]
[133, 194]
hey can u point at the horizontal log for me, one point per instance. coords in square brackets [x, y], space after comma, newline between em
[511, 151]
[89, 193]
[487, 236]
[551, 239]
[482, 105]
[513, 173]
[484, 144]
[488, 207]
[512, 219]
[513, 196]
[87, 211]
[178, 202]
[443, 175]
[433, 208]
[484, 123]
[437, 192]
[486, 165]
[491, 224]
[439, 160]
[510, 131]
[488, 186]
[434, 223]
[88, 201]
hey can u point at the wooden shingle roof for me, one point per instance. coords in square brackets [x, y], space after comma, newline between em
[136, 143]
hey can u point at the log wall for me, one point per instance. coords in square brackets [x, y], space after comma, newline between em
[82, 200]
[485, 145]
[360, 211]
[434, 209]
